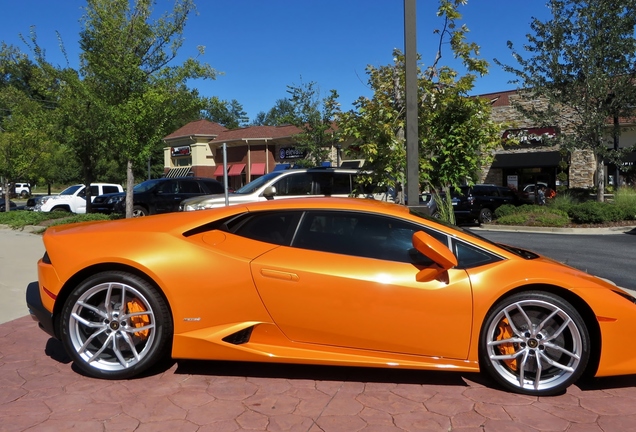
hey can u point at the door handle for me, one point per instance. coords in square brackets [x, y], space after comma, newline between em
[282, 275]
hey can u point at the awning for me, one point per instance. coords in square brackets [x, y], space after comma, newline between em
[218, 172]
[178, 172]
[281, 167]
[257, 169]
[527, 160]
[236, 169]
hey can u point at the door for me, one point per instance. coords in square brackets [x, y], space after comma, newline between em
[164, 197]
[349, 280]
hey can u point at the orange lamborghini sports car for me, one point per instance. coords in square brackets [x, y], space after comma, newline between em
[326, 281]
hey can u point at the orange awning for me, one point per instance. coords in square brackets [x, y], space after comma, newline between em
[236, 169]
[257, 169]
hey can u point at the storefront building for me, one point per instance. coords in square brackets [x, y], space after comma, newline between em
[196, 149]
[537, 159]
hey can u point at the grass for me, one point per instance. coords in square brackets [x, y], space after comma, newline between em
[19, 218]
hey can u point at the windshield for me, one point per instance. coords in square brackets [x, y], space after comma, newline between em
[253, 186]
[71, 190]
[517, 251]
[146, 186]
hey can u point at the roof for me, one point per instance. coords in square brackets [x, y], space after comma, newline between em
[199, 127]
[498, 99]
[257, 132]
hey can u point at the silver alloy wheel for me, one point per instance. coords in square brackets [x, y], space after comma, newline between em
[112, 326]
[534, 345]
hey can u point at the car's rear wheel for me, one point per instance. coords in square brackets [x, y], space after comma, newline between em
[115, 325]
[485, 215]
[534, 343]
[139, 211]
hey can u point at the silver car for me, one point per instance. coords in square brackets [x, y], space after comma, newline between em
[293, 183]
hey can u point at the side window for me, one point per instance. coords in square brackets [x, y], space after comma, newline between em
[167, 187]
[94, 190]
[270, 227]
[294, 184]
[214, 187]
[341, 184]
[111, 189]
[360, 235]
[189, 187]
[469, 256]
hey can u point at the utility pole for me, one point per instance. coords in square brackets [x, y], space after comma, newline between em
[412, 152]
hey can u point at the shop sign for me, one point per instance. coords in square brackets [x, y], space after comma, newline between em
[530, 136]
[180, 151]
[291, 153]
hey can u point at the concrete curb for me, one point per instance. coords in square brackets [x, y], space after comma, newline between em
[554, 230]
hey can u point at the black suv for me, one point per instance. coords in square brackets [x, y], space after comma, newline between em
[479, 202]
[161, 195]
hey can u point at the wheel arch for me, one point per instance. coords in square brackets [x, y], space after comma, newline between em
[588, 315]
[62, 207]
[82, 275]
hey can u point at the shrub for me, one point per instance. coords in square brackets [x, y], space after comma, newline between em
[563, 201]
[513, 219]
[505, 210]
[593, 212]
[536, 216]
[625, 199]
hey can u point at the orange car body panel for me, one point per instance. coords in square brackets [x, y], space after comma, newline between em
[314, 307]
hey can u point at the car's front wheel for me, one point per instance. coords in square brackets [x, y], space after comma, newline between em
[115, 325]
[534, 343]
[139, 211]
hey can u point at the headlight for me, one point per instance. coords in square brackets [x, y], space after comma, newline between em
[115, 200]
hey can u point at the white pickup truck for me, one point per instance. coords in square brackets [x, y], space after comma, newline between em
[73, 198]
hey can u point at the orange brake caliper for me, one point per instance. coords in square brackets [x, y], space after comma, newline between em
[505, 332]
[139, 320]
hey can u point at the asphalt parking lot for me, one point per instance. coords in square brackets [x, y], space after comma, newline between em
[41, 390]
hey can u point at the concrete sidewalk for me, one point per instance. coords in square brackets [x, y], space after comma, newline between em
[19, 254]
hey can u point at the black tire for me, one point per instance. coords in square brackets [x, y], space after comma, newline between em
[544, 350]
[485, 215]
[61, 209]
[122, 339]
[24, 194]
[139, 211]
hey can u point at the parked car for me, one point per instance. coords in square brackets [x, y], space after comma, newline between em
[528, 193]
[12, 205]
[73, 198]
[161, 195]
[22, 189]
[292, 183]
[325, 281]
[479, 202]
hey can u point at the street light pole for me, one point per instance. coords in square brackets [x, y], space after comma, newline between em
[410, 58]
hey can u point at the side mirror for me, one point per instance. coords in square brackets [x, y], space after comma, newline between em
[269, 192]
[436, 251]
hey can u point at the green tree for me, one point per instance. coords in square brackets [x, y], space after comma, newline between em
[127, 57]
[25, 118]
[316, 117]
[226, 113]
[456, 135]
[281, 113]
[581, 63]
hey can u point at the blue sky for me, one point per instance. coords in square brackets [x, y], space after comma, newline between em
[262, 46]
